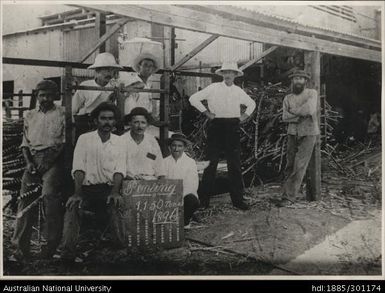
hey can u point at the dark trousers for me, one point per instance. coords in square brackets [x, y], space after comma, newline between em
[299, 151]
[95, 201]
[191, 204]
[223, 136]
[53, 201]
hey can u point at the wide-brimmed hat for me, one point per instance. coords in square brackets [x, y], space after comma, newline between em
[105, 60]
[138, 111]
[179, 137]
[229, 66]
[141, 57]
[138, 49]
[299, 73]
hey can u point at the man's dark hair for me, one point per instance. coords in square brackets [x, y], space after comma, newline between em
[105, 106]
[148, 59]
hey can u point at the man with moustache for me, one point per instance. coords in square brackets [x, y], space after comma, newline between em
[224, 101]
[84, 101]
[98, 170]
[42, 148]
[300, 112]
[143, 154]
[180, 166]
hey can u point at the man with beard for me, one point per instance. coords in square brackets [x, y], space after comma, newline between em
[42, 147]
[224, 101]
[98, 170]
[180, 166]
[84, 101]
[300, 111]
[143, 154]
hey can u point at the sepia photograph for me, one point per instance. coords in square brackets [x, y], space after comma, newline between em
[215, 139]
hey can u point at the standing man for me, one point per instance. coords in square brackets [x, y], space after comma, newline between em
[300, 111]
[42, 147]
[224, 112]
[143, 154]
[98, 169]
[85, 101]
[180, 166]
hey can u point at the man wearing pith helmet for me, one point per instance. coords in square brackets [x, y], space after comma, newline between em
[224, 101]
[42, 148]
[180, 166]
[85, 101]
[300, 112]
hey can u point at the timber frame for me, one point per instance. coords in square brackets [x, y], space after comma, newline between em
[217, 21]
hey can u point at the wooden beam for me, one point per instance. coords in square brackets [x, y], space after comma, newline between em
[259, 57]
[213, 24]
[104, 38]
[100, 29]
[53, 63]
[313, 176]
[195, 51]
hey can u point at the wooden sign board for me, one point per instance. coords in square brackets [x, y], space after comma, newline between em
[154, 213]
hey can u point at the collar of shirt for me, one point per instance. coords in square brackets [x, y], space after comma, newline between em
[113, 140]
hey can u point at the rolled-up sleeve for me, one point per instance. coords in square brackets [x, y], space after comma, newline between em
[77, 102]
[191, 179]
[80, 159]
[121, 164]
[248, 102]
[25, 142]
[197, 98]
[286, 115]
[309, 107]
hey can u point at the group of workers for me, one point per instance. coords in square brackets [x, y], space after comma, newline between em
[103, 159]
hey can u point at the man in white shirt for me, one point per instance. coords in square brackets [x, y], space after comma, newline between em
[98, 170]
[180, 166]
[224, 101]
[85, 101]
[143, 154]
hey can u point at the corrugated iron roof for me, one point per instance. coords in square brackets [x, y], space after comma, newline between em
[295, 22]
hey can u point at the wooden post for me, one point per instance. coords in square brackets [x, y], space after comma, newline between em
[164, 110]
[20, 104]
[100, 28]
[313, 175]
[67, 103]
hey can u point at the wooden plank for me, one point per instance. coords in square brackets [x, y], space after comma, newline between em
[164, 111]
[53, 63]
[67, 103]
[213, 24]
[153, 213]
[195, 51]
[20, 104]
[100, 29]
[104, 38]
[259, 57]
[313, 176]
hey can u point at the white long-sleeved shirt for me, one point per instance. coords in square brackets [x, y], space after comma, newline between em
[99, 161]
[144, 158]
[223, 101]
[84, 101]
[134, 100]
[184, 168]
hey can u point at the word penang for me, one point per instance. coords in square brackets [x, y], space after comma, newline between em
[148, 188]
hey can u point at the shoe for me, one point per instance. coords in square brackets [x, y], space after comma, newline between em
[47, 253]
[242, 206]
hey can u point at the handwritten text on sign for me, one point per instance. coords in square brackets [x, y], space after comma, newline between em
[154, 212]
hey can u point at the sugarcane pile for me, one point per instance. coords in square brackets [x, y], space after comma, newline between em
[263, 135]
[13, 161]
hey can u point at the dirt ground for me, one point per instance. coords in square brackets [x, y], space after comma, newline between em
[265, 240]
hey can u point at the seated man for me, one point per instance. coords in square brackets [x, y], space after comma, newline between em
[179, 166]
[98, 168]
[143, 154]
[42, 147]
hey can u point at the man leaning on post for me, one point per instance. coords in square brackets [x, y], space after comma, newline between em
[98, 169]
[300, 112]
[42, 147]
